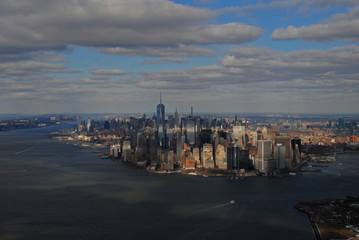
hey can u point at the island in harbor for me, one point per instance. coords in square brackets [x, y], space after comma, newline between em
[217, 144]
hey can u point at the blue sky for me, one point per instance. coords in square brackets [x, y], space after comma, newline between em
[294, 56]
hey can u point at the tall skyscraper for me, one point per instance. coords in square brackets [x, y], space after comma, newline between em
[207, 156]
[296, 150]
[179, 148]
[237, 158]
[176, 119]
[88, 125]
[221, 157]
[264, 149]
[236, 133]
[279, 156]
[78, 123]
[191, 134]
[265, 160]
[285, 141]
[238, 136]
[161, 131]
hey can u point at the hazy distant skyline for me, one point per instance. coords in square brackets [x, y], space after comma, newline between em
[294, 56]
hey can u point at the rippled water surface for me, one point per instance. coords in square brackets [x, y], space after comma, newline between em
[53, 190]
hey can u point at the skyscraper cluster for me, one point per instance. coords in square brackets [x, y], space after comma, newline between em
[190, 142]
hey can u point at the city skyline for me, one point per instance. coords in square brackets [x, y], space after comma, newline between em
[294, 56]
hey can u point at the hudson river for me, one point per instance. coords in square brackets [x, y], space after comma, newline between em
[53, 190]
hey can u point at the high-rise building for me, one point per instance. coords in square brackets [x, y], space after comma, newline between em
[279, 156]
[78, 123]
[265, 161]
[187, 159]
[167, 159]
[264, 149]
[153, 152]
[221, 157]
[196, 156]
[142, 149]
[197, 131]
[126, 150]
[88, 125]
[244, 161]
[176, 119]
[238, 136]
[297, 149]
[237, 158]
[190, 129]
[207, 156]
[236, 131]
[161, 130]
[232, 156]
[179, 148]
[285, 141]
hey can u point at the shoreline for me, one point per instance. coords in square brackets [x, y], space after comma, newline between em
[333, 218]
[214, 172]
[315, 227]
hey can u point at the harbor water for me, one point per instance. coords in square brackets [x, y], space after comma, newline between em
[50, 189]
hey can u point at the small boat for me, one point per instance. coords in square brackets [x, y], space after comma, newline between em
[204, 175]
[340, 164]
[232, 202]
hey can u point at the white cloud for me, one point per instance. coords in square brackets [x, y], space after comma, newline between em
[28, 68]
[107, 72]
[171, 51]
[89, 81]
[255, 77]
[25, 26]
[302, 6]
[342, 27]
[253, 67]
[164, 60]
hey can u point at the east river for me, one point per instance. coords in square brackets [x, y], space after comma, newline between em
[53, 190]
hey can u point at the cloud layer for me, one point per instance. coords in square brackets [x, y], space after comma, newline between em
[41, 24]
[343, 27]
[255, 77]
[269, 70]
[130, 50]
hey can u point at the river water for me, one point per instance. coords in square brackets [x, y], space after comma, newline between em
[53, 190]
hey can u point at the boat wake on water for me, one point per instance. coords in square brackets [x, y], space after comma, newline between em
[28, 149]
